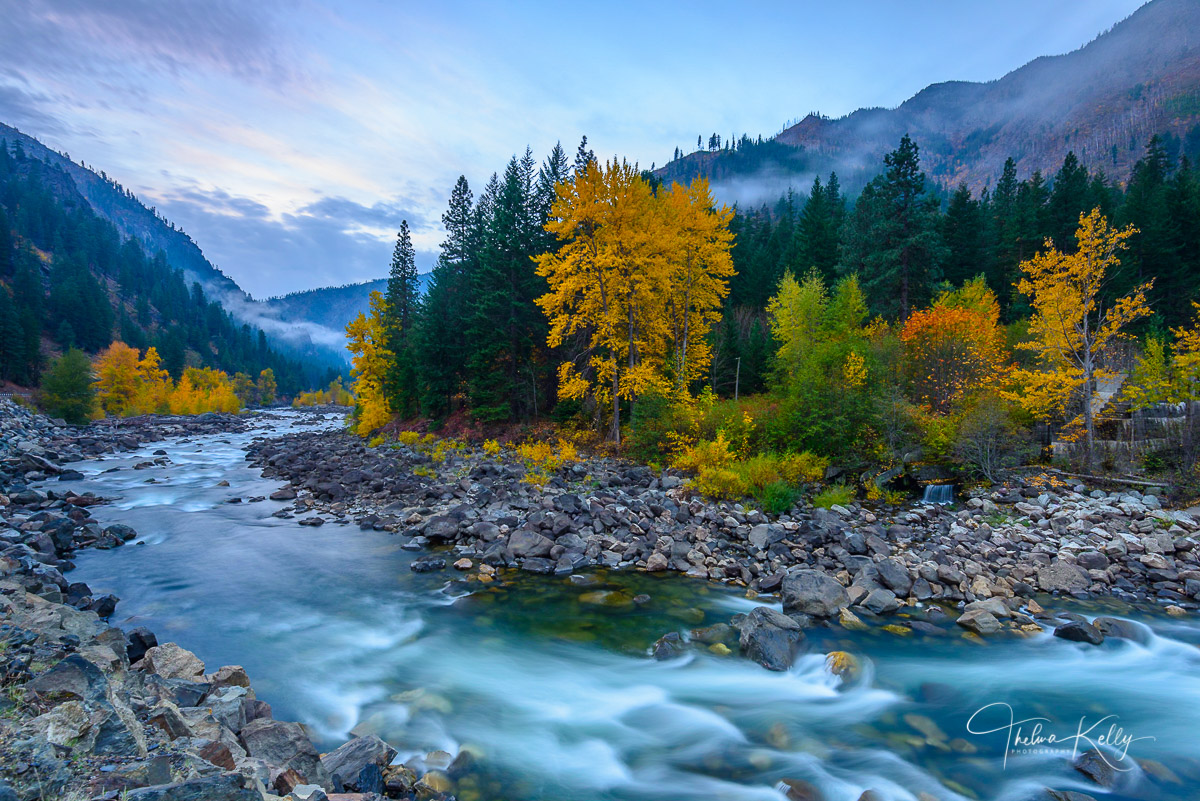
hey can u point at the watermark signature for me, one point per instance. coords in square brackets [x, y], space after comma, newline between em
[1031, 735]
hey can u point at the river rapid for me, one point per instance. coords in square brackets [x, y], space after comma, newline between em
[549, 683]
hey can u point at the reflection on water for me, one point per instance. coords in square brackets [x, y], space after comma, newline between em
[548, 680]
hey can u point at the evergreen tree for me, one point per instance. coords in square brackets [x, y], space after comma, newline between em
[402, 297]
[583, 157]
[820, 228]
[12, 341]
[896, 246]
[1068, 198]
[964, 234]
[442, 344]
[506, 328]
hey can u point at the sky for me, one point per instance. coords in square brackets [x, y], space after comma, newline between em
[289, 138]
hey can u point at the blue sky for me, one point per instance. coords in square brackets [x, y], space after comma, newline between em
[290, 138]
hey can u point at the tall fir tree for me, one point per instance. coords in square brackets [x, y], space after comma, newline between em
[896, 245]
[442, 342]
[403, 297]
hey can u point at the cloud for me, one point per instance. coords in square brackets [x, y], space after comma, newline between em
[69, 38]
[330, 241]
[26, 110]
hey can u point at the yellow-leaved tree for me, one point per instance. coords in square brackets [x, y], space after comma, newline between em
[1071, 325]
[699, 269]
[638, 278]
[1187, 359]
[116, 371]
[154, 388]
[367, 341]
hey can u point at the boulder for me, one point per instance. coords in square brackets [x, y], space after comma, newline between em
[1060, 576]
[172, 662]
[441, 528]
[979, 621]
[226, 787]
[1092, 763]
[895, 576]
[811, 592]
[1079, 631]
[284, 745]
[348, 761]
[1121, 629]
[769, 638]
[73, 678]
[881, 601]
[523, 543]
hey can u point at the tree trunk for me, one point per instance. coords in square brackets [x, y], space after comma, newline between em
[614, 432]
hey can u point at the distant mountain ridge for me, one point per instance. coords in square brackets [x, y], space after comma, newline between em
[1102, 101]
[286, 323]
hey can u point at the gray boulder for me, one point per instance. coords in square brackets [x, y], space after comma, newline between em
[811, 592]
[1060, 576]
[226, 787]
[284, 745]
[523, 543]
[348, 761]
[770, 638]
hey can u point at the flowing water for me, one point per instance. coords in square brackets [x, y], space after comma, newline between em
[548, 679]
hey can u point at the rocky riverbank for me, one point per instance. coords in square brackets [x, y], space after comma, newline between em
[92, 712]
[476, 512]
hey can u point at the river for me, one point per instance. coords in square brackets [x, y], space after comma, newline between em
[548, 680]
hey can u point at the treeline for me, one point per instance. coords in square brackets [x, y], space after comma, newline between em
[68, 279]
[907, 240]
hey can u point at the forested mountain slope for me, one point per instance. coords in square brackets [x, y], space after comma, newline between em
[1102, 101]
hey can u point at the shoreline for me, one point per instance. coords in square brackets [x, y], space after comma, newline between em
[835, 567]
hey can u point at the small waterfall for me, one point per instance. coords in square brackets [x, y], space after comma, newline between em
[938, 493]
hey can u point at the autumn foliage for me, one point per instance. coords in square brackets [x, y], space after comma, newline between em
[954, 347]
[128, 385]
[636, 283]
[367, 342]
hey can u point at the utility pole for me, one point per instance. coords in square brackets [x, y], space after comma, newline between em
[737, 378]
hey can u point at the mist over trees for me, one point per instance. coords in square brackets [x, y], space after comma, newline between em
[69, 279]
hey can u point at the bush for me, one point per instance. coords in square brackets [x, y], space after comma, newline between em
[408, 438]
[706, 455]
[989, 440]
[835, 495]
[778, 497]
[720, 483]
[803, 468]
[491, 447]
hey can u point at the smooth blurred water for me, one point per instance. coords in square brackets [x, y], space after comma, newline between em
[551, 685]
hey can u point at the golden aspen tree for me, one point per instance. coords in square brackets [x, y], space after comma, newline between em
[1187, 358]
[116, 383]
[1071, 325]
[154, 384]
[698, 277]
[367, 341]
[599, 279]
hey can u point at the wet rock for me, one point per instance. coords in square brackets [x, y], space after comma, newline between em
[1066, 795]
[770, 638]
[881, 601]
[811, 592]
[523, 543]
[428, 564]
[1079, 631]
[285, 494]
[285, 745]
[348, 761]
[979, 621]
[1092, 763]
[441, 528]
[172, 662]
[138, 642]
[1121, 629]
[895, 576]
[669, 646]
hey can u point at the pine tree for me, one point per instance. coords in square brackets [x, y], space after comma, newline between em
[1068, 198]
[12, 340]
[442, 344]
[963, 234]
[400, 316]
[897, 248]
[820, 228]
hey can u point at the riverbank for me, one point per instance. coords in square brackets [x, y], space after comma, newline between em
[476, 513]
[93, 712]
[429, 504]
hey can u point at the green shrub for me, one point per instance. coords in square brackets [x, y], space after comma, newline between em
[835, 495]
[777, 498]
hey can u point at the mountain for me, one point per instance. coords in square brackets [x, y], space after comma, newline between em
[72, 278]
[324, 312]
[133, 220]
[1103, 101]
